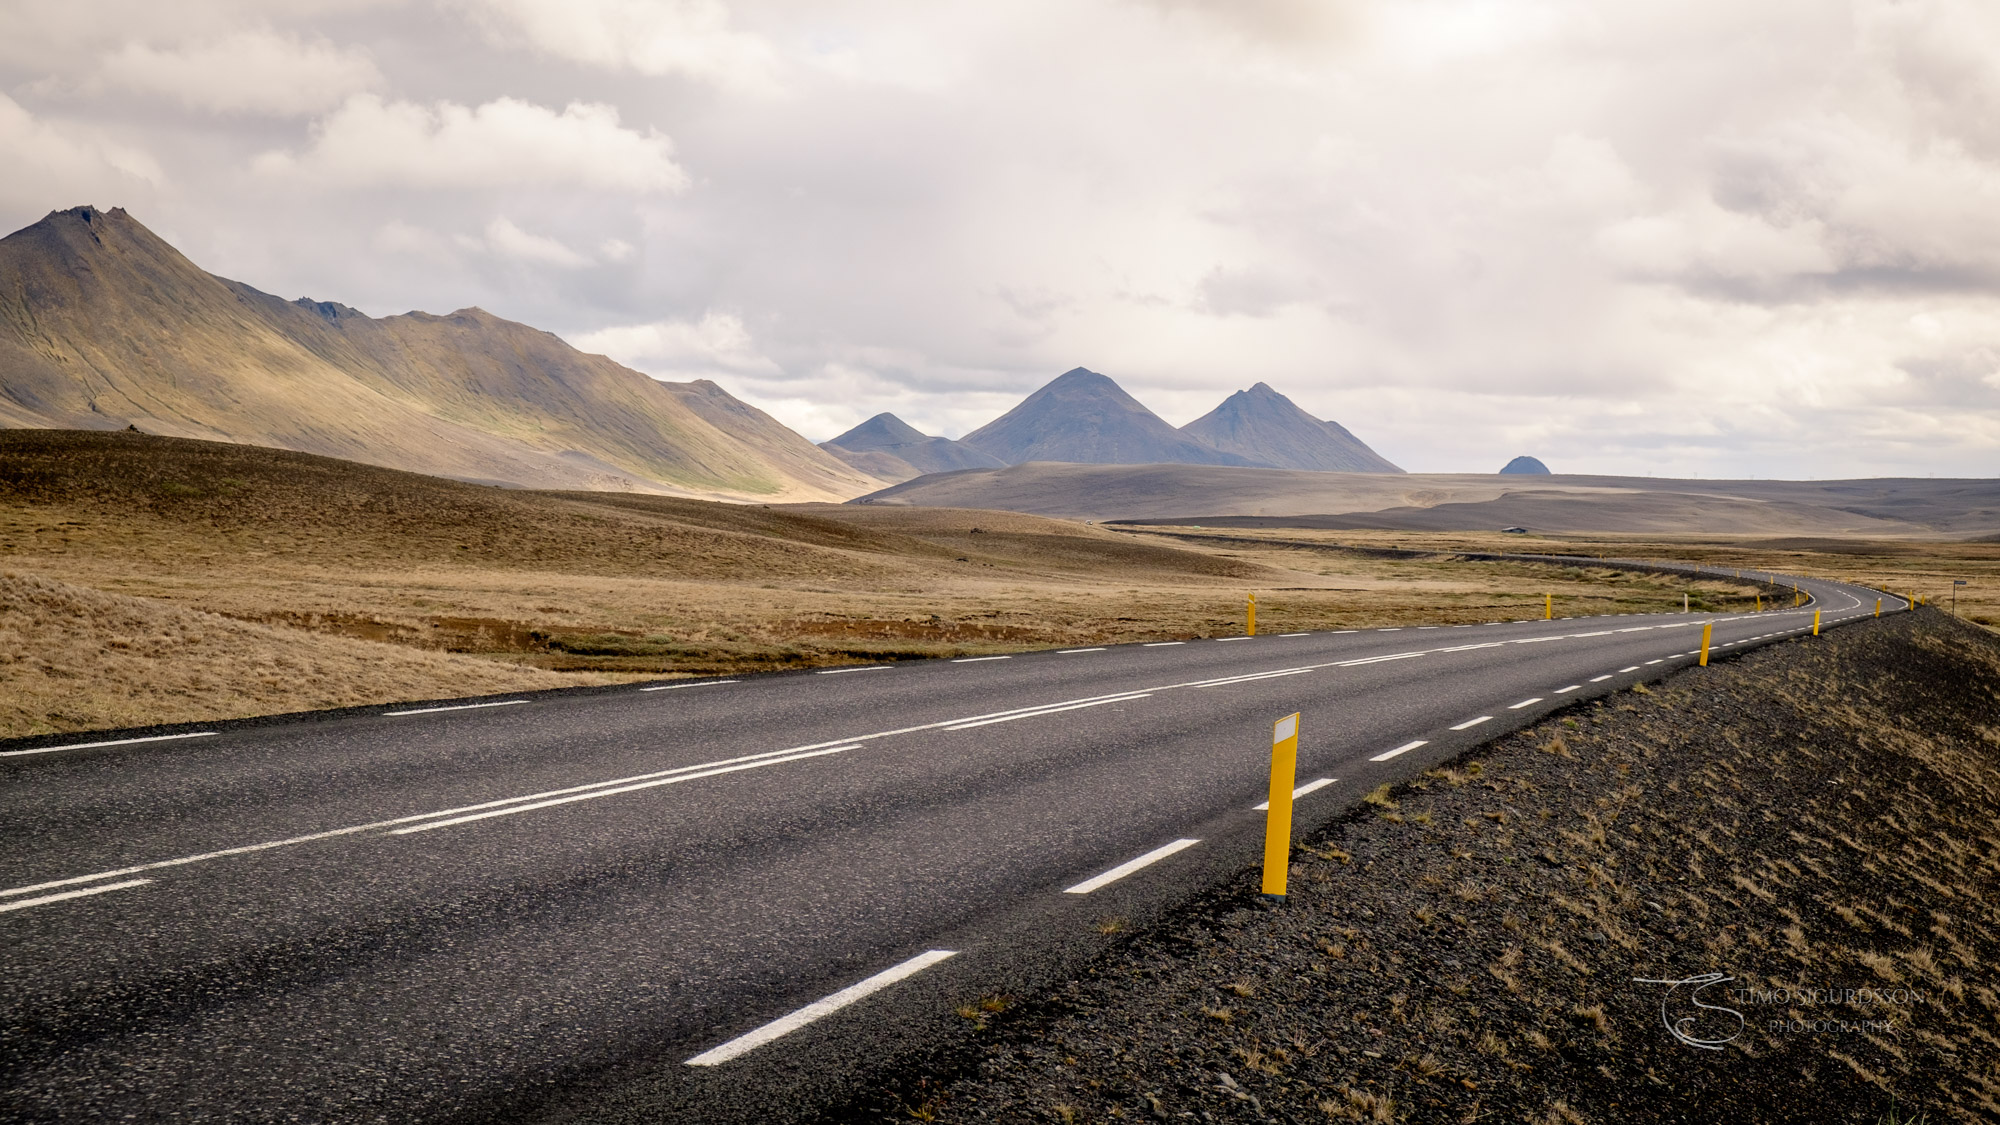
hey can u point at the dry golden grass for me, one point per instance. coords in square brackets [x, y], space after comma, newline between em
[608, 584]
[73, 658]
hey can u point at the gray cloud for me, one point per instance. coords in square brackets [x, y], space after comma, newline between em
[1699, 237]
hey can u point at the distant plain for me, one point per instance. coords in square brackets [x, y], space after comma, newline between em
[271, 566]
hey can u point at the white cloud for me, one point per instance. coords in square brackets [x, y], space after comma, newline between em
[254, 72]
[506, 240]
[688, 38]
[504, 143]
[45, 166]
[717, 344]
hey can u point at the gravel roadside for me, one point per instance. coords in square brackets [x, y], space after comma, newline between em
[1816, 823]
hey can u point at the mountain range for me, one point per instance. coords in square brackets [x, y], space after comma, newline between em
[104, 325]
[1082, 417]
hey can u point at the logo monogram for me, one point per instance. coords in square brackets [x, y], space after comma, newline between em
[1683, 1028]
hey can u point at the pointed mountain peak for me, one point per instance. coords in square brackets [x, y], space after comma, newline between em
[1085, 417]
[885, 429]
[1267, 428]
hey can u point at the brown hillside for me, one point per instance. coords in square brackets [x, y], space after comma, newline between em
[103, 325]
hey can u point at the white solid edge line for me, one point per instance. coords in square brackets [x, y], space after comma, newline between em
[1049, 711]
[1570, 688]
[1073, 651]
[1470, 723]
[1403, 749]
[570, 800]
[109, 742]
[1599, 679]
[676, 687]
[1524, 703]
[1308, 787]
[977, 659]
[838, 671]
[786, 1024]
[27, 902]
[1128, 867]
[456, 707]
[1162, 644]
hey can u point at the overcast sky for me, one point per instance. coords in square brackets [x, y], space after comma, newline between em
[1684, 237]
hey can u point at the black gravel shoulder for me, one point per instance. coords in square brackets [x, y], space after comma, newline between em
[1816, 825]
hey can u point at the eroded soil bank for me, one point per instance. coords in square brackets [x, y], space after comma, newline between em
[1818, 822]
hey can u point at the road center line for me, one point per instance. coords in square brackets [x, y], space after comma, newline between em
[838, 671]
[23, 904]
[1074, 651]
[1524, 703]
[108, 742]
[1470, 723]
[457, 707]
[1403, 749]
[1049, 711]
[1570, 688]
[677, 687]
[533, 805]
[977, 659]
[1632, 668]
[1599, 679]
[1308, 787]
[1128, 867]
[785, 1025]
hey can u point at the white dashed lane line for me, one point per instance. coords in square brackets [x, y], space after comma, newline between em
[1599, 679]
[1308, 787]
[785, 1025]
[1470, 723]
[1524, 703]
[838, 671]
[1565, 690]
[1128, 867]
[1074, 651]
[1163, 644]
[108, 742]
[977, 659]
[1221, 639]
[1403, 749]
[1632, 668]
[677, 687]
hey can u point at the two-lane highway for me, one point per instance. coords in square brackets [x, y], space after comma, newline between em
[708, 899]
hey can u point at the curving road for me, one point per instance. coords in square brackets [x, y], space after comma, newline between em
[705, 900]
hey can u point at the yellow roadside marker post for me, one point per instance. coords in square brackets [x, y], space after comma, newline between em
[1548, 607]
[1760, 603]
[1706, 628]
[1815, 623]
[1278, 822]
[1878, 607]
[1252, 631]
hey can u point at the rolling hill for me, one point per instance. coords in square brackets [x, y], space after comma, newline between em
[103, 325]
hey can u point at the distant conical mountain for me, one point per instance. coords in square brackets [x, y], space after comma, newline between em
[1265, 427]
[890, 448]
[1085, 417]
[1525, 465]
[103, 326]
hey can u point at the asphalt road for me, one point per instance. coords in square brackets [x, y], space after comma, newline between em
[720, 900]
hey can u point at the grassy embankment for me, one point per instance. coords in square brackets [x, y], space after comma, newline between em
[1817, 815]
[154, 580]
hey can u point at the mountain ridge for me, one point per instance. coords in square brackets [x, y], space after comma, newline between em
[1266, 428]
[104, 325]
[1083, 417]
[891, 448]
